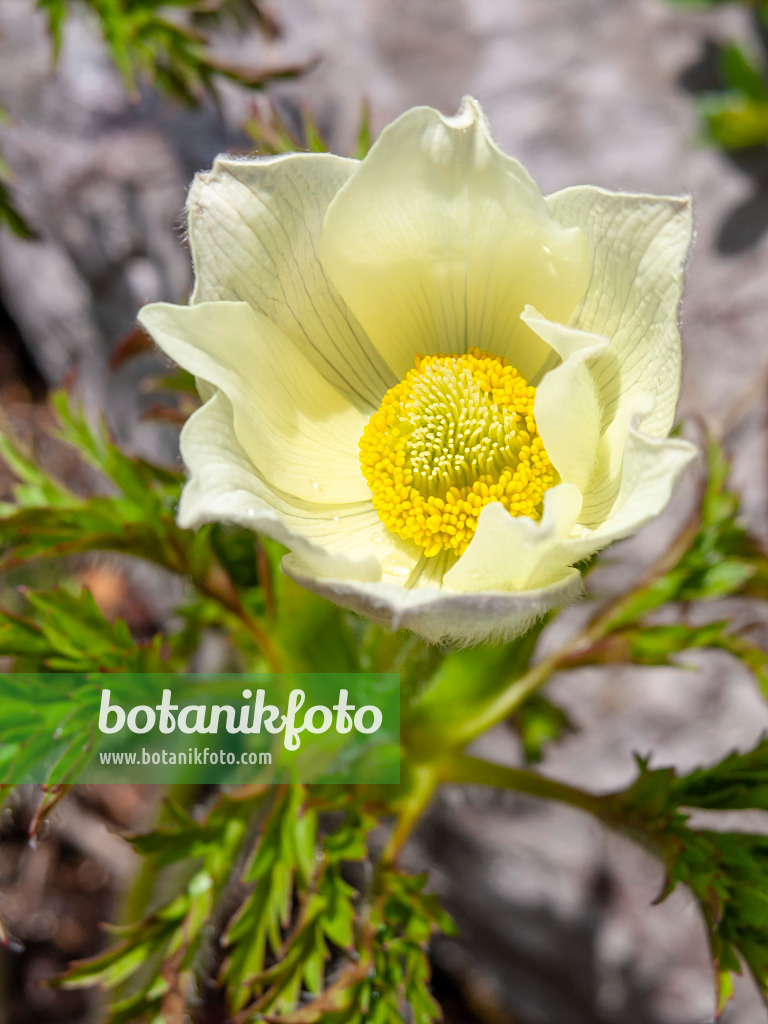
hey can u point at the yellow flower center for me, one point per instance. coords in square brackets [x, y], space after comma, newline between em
[457, 433]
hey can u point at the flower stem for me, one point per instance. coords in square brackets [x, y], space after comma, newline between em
[509, 699]
[473, 770]
[426, 778]
[219, 586]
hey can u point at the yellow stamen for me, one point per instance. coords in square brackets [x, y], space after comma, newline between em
[457, 433]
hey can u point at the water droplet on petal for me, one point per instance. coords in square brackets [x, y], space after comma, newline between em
[395, 566]
[377, 538]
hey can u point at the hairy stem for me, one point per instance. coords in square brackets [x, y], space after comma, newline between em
[219, 586]
[208, 960]
[473, 770]
[426, 778]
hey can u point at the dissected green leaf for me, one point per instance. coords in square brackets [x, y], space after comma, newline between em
[538, 722]
[258, 929]
[726, 871]
[155, 41]
[741, 72]
[9, 212]
[66, 632]
[273, 134]
[164, 946]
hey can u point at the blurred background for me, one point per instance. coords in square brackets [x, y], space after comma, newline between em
[555, 916]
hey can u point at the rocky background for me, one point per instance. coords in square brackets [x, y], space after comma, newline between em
[555, 916]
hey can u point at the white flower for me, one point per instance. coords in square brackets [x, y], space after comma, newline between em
[451, 493]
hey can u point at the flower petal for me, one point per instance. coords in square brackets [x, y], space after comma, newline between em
[224, 487]
[439, 240]
[515, 552]
[297, 429]
[439, 615]
[253, 228]
[638, 245]
[651, 469]
[567, 408]
[600, 496]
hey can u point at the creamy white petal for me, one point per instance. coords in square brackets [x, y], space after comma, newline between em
[638, 244]
[439, 241]
[538, 553]
[600, 496]
[254, 226]
[299, 431]
[317, 282]
[440, 615]
[517, 552]
[567, 407]
[651, 470]
[224, 487]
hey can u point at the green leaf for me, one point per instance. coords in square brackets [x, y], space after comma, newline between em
[539, 722]
[364, 135]
[145, 44]
[737, 782]
[743, 74]
[66, 632]
[281, 858]
[9, 214]
[734, 121]
[165, 944]
[57, 12]
[726, 871]
[661, 644]
[11, 217]
[272, 135]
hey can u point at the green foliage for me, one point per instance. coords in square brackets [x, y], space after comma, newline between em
[715, 557]
[387, 979]
[48, 722]
[269, 902]
[150, 40]
[759, 5]
[287, 853]
[300, 940]
[737, 116]
[290, 929]
[726, 871]
[539, 722]
[728, 874]
[303, 934]
[397, 985]
[64, 631]
[163, 43]
[272, 134]
[9, 213]
[155, 957]
[135, 515]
